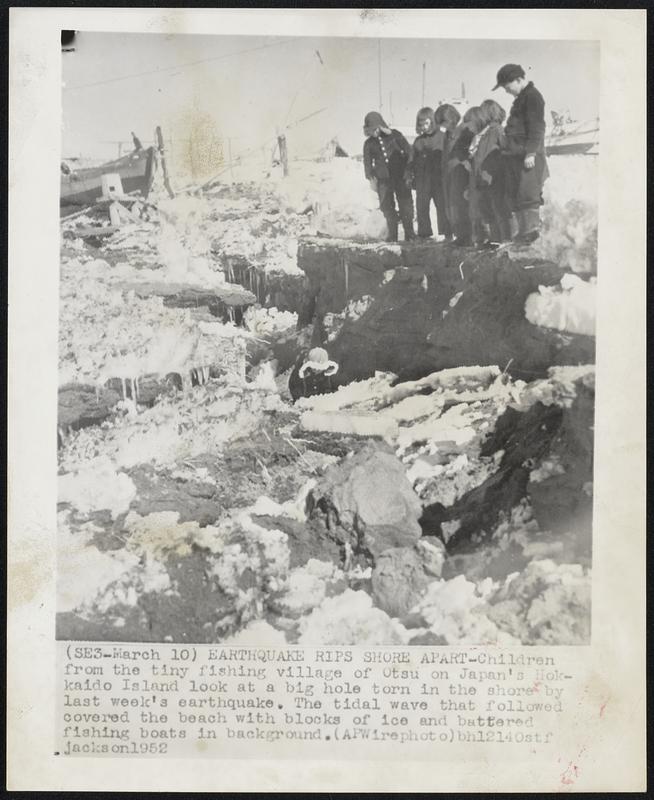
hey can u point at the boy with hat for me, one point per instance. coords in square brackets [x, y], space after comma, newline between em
[386, 154]
[524, 150]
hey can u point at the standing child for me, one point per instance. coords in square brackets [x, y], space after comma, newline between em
[525, 167]
[386, 154]
[487, 178]
[446, 118]
[457, 177]
[423, 171]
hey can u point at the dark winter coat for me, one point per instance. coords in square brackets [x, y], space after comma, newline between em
[525, 135]
[313, 382]
[386, 156]
[525, 127]
[426, 157]
[486, 158]
[457, 180]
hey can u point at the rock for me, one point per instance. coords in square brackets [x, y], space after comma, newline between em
[546, 604]
[398, 580]
[401, 575]
[368, 496]
[81, 405]
[306, 540]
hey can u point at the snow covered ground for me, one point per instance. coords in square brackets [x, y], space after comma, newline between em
[220, 476]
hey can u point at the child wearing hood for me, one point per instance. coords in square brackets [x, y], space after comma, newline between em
[424, 169]
[487, 190]
[458, 177]
[312, 374]
[386, 154]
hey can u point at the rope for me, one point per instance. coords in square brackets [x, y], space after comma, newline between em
[176, 67]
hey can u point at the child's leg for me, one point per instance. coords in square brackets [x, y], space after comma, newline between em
[461, 223]
[387, 207]
[530, 198]
[405, 205]
[423, 201]
[444, 227]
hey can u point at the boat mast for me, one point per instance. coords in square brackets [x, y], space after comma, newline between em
[424, 68]
[379, 72]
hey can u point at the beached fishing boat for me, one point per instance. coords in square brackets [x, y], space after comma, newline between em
[571, 137]
[82, 187]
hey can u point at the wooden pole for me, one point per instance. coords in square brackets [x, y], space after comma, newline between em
[166, 179]
[379, 72]
[283, 153]
[229, 155]
[424, 69]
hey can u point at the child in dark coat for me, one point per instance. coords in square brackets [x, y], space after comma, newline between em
[386, 154]
[312, 374]
[457, 177]
[446, 118]
[525, 166]
[487, 189]
[424, 169]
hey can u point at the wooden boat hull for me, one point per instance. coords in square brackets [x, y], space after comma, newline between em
[575, 138]
[83, 187]
[569, 149]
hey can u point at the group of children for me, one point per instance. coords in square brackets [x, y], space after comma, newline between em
[484, 178]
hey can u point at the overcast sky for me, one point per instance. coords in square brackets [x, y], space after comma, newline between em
[247, 87]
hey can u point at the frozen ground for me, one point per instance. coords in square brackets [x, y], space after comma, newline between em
[212, 513]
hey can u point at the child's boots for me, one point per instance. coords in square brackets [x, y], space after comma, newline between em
[409, 233]
[528, 225]
[391, 225]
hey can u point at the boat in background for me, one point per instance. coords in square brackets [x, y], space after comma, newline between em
[571, 137]
[82, 187]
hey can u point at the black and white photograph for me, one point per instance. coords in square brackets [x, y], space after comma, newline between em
[326, 339]
[326, 400]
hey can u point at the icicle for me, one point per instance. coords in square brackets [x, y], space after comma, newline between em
[346, 270]
[136, 384]
[230, 312]
[124, 386]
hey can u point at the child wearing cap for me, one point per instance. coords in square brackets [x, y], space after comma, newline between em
[423, 170]
[525, 166]
[386, 154]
